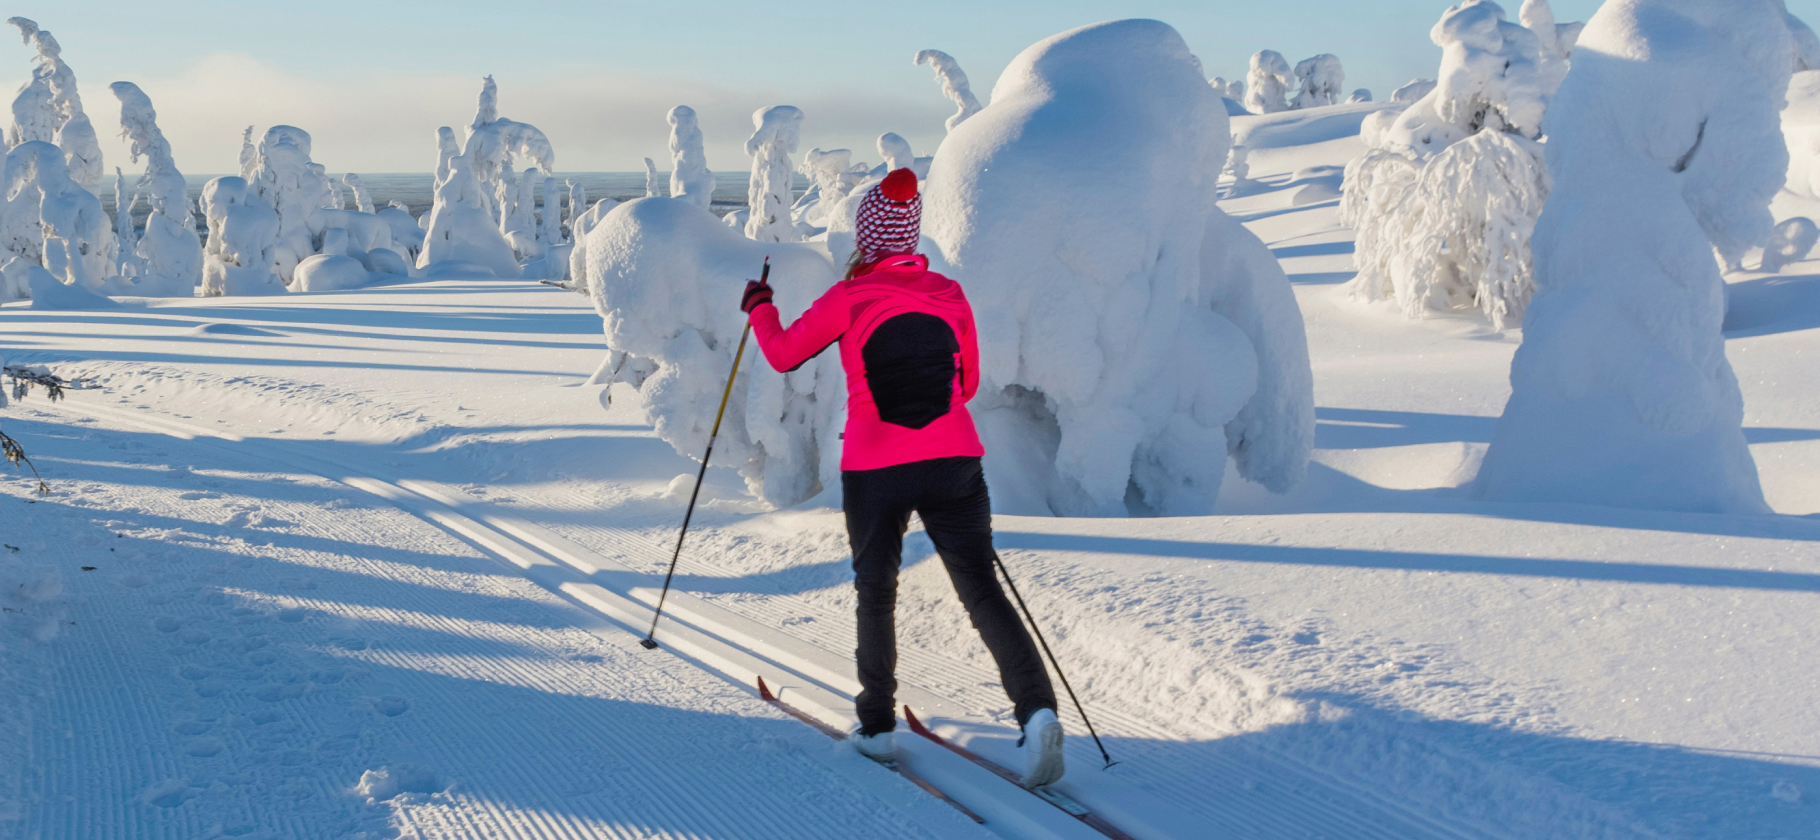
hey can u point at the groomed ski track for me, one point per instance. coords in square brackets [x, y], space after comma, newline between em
[1268, 796]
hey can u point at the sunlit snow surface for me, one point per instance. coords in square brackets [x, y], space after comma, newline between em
[259, 651]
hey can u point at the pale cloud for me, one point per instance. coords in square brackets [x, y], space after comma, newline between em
[597, 120]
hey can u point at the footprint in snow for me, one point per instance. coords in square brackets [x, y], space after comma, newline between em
[193, 727]
[169, 793]
[293, 615]
[167, 624]
[204, 747]
[391, 705]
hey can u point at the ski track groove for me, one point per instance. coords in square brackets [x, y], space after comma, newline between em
[1305, 814]
[121, 814]
[1392, 821]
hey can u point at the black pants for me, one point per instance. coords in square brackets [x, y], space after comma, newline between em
[950, 495]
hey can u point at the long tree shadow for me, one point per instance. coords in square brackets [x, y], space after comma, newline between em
[1359, 428]
[1650, 573]
[1771, 305]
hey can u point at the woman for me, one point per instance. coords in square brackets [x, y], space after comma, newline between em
[912, 361]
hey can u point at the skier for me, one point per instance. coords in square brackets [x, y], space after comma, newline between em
[908, 346]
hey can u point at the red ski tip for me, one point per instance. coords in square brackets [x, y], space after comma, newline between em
[764, 691]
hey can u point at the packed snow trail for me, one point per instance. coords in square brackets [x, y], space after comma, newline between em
[297, 661]
[1373, 655]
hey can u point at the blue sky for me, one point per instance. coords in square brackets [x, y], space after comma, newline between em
[371, 80]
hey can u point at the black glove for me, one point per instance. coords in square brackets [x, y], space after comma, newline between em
[757, 292]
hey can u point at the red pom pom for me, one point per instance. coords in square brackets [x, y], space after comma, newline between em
[899, 185]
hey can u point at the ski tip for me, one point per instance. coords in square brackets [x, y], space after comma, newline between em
[648, 643]
[764, 691]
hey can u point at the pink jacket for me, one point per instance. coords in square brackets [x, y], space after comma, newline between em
[908, 345]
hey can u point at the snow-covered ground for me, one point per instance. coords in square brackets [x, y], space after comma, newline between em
[321, 601]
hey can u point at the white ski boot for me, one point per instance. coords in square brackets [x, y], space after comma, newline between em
[881, 748]
[1042, 743]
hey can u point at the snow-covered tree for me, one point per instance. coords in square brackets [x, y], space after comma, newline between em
[578, 204]
[48, 108]
[1238, 169]
[690, 179]
[51, 220]
[363, 200]
[170, 254]
[896, 151]
[1134, 339]
[1444, 224]
[954, 84]
[492, 143]
[125, 237]
[284, 181]
[1359, 95]
[446, 148]
[1320, 81]
[770, 192]
[243, 241]
[1664, 145]
[462, 226]
[1268, 83]
[519, 209]
[650, 178]
[549, 219]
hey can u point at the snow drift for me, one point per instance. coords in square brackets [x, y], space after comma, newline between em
[1665, 145]
[1131, 334]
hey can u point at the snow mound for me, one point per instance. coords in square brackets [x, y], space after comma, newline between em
[1131, 342]
[50, 293]
[1665, 145]
[331, 273]
[666, 277]
[393, 779]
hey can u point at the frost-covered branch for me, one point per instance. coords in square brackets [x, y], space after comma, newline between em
[24, 379]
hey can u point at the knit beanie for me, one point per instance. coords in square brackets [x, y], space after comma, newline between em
[890, 218]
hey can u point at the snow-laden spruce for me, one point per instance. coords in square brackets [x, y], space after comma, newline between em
[1665, 146]
[49, 220]
[1446, 198]
[1268, 83]
[481, 213]
[954, 85]
[169, 254]
[48, 108]
[1801, 132]
[1320, 80]
[690, 179]
[666, 276]
[1132, 335]
[769, 194]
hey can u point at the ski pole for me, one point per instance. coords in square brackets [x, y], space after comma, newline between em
[650, 639]
[1052, 661]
